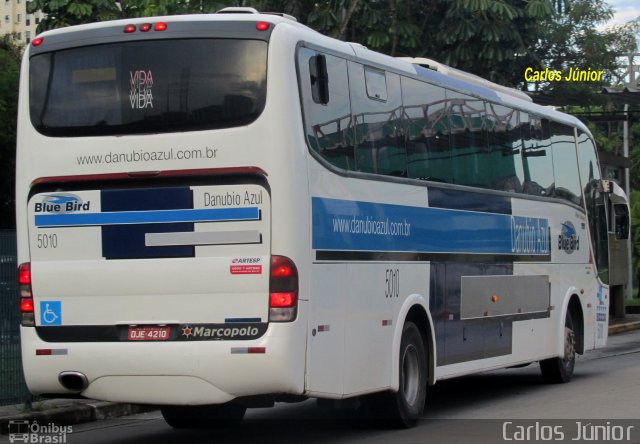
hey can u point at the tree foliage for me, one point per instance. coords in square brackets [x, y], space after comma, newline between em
[9, 75]
[574, 37]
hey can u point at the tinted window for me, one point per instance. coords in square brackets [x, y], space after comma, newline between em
[565, 164]
[427, 128]
[537, 156]
[503, 162]
[148, 87]
[328, 126]
[379, 138]
[595, 203]
[469, 153]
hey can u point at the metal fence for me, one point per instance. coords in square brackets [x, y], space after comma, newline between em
[12, 387]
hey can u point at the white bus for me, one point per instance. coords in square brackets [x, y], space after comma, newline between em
[230, 210]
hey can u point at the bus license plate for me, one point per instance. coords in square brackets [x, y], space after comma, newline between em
[148, 333]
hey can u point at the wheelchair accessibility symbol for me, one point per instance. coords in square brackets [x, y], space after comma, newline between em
[50, 313]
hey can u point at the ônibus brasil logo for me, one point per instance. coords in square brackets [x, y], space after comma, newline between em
[568, 240]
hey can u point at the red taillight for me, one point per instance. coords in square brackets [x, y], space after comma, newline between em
[26, 305]
[160, 26]
[145, 27]
[281, 271]
[262, 26]
[283, 290]
[129, 29]
[26, 295]
[280, 300]
[24, 274]
[37, 42]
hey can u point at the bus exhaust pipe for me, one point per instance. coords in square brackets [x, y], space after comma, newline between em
[73, 381]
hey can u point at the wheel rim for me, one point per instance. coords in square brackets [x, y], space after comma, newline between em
[410, 375]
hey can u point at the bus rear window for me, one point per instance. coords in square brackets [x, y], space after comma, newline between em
[154, 86]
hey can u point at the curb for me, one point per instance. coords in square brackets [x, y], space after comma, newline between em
[621, 328]
[76, 414]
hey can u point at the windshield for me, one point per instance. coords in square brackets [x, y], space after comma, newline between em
[153, 86]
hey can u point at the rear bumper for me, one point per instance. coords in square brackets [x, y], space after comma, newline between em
[174, 373]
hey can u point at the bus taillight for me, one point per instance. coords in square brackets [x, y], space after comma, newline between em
[26, 296]
[283, 290]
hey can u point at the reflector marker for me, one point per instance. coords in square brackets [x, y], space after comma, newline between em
[202, 238]
[324, 328]
[248, 350]
[147, 217]
[386, 322]
[51, 351]
[232, 320]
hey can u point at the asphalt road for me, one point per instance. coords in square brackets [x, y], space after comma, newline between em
[485, 408]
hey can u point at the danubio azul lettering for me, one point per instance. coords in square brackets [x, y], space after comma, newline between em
[529, 235]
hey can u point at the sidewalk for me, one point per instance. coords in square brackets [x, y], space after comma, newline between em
[630, 322]
[67, 412]
[75, 411]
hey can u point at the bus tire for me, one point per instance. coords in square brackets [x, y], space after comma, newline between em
[404, 408]
[203, 416]
[560, 369]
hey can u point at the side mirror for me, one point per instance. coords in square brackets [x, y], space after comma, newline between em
[319, 79]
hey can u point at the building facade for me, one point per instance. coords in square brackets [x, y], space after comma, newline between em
[15, 20]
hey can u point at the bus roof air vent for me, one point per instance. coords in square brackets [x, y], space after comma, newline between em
[238, 10]
[246, 10]
[282, 14]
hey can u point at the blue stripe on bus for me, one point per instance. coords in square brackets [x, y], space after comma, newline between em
[365, 226]
[145, 217]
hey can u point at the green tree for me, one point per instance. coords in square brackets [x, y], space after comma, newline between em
[9, 77]
[571, 38]
[59, 13]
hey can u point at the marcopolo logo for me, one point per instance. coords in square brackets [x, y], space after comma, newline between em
[221, 331]
[568, 240]
[61, 203]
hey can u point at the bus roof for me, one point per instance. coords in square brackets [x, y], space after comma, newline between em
[489, 91]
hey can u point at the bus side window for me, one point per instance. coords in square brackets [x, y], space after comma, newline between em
[426, 124]
[377, 113]
[324, 91]
[565, 164]
[468, 140]
[319, 79]
[503, 163]
[594, 202]
[538, 161]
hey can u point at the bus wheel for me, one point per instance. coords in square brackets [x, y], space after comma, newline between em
[560, 370]
[203, 416]
[404, 408]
